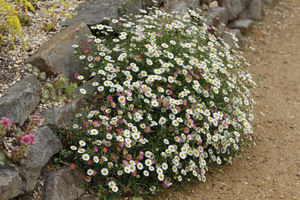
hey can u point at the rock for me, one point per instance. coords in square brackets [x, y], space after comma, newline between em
[234, 7]
[88, 87]
[149, 3]
[204, 7]
[10, 183]
[62, 117]
[177, 6]
[270, 3]
[192, 4]
[243, 25]
[213, 4]
[217, 17]
[21, 100]
[63, 185]
[89, 197]
[56, 55]
[228, 37]
[95, 12]
[253, 11]
[46, 145]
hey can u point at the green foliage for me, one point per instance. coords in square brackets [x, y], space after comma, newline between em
[58, 89]
[49, 27]
[172, 98]
[24, 20]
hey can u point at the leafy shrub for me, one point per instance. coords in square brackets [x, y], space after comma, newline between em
[171, 98]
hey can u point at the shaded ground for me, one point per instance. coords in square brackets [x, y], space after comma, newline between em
[271, 168]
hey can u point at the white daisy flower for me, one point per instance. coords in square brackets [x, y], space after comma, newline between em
[82, 91]
[104, 171]
[85, 157]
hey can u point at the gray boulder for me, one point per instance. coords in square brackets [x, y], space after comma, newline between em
[244, 25]
[234, 7]
[10, 183]
[193, 4]
[62, 117]
[63, 185]
[21, 100]
[95, 12]
[253, 11]
[228, 37]
[56, 55]
[217, 17]
[46, 145]
[149, 3]
[175, 6]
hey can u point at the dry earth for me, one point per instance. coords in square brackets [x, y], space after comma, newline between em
[271, 168]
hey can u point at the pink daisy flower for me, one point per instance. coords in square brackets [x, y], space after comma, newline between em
[32, 138]
[26, 139]
[6, 122]
[73, 166]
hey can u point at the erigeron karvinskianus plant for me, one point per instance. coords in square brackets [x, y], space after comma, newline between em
[171, 99]
[14, 141]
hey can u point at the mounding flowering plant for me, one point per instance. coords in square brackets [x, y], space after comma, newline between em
[171, 98]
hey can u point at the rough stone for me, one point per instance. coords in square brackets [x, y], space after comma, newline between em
[177, 6]
[56, 55]
[62, 117]
[204, 7]
[192, 4]
[149, 3]
[243, 25]
[253, 11]
[213, 4]
[95, 12]
[270, 3]
[89, 197]
[217, 17]
[63, 185]
[88, 87]
[21, 100]
[228, 37]
[234, 7]
[46, 145]
[10, 183]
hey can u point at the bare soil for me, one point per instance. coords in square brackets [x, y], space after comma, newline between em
[271, 168]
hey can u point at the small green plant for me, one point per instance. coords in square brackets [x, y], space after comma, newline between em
[49, 27]
[58, 89]
[24, 20]
[14, 141]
